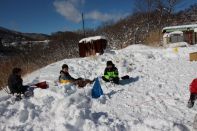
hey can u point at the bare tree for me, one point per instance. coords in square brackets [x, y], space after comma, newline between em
[1, 44]
[145, 6]
[160, 8]
[171, 5]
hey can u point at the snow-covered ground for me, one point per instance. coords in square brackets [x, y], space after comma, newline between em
[154, 99]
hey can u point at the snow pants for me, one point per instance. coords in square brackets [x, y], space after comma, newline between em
[114, 80]
[22, 90]
[192, 99]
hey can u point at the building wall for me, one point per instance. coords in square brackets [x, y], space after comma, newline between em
[176, 38]
[91, 48]
[165, 40]
[194, 38]
[189, 35]
[82, 52]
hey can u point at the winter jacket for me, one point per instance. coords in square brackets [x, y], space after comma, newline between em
[111, 73]
[15, 83]
[65, 77]
[193, 86]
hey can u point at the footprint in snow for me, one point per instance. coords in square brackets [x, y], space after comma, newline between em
[23, 115]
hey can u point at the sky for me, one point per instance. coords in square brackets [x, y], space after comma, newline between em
[48, 16]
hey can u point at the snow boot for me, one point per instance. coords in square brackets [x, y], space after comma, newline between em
[126, 77]
[18, 97]
[28, 93]
[190, 104]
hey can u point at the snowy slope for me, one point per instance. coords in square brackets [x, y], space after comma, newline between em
[154, 100]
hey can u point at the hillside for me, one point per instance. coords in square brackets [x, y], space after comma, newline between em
[154, 98]
[134, 29]
[9, 36]
[24, 49]
[137, 28]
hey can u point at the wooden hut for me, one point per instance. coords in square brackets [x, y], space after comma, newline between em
[92, 45]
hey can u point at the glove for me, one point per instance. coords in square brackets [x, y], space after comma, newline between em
[110, 79]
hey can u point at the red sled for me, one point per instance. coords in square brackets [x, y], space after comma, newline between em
[193, 86]
[42, 85]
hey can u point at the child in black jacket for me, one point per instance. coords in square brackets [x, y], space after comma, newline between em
[15, 82]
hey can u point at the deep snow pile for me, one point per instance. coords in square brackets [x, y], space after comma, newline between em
[154, 99]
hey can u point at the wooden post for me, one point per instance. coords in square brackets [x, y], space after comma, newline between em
[84, 35]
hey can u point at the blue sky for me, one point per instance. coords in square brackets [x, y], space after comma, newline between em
[47, 16]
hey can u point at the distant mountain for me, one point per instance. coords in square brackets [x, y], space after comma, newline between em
[6, 30]
[8, 36]
[37, 36]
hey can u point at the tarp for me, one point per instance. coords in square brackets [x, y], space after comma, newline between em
[42, 85]
[97, 90]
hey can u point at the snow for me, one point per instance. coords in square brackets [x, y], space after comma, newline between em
[181, 26]
[195, 29]
[176, 32]
[154, 99]
[166, 35]
[172, 33]
[90, 39]
[178, 44]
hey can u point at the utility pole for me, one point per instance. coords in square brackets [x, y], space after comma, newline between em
[84, 35]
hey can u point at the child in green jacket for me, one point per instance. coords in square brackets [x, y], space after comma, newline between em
[111, 73]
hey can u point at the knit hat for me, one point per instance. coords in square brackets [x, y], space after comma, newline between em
[109, 63]
[16, 70]
[64, 66]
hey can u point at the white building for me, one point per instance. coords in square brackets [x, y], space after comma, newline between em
[182, 33]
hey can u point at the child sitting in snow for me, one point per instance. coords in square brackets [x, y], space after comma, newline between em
[66, 78]
[15, 83]
[193, 93]
[111, 73]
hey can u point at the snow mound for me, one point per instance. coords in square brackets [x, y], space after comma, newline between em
[154, 98]
[178, 44]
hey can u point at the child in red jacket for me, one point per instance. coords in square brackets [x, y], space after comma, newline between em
[193, 93]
